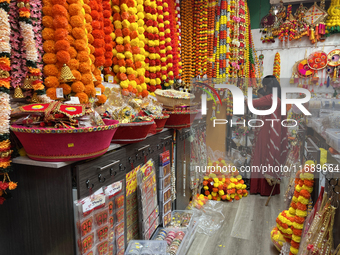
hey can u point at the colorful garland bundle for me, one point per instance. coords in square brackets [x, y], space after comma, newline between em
[128, 60]
[187, 39]
[29, 45]
[277, 66]
[154, 40]
[210, 34]
[5, 108]
[290, 222]
[168, 26]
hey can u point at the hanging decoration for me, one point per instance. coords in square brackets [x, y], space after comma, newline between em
[317, 60]
[5, 109]
[303, 69]
[333, 19]
[277, 66]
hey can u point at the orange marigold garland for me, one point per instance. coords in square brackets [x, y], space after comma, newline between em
[109, 35]
[50, 59]
[98, 32]
[5, 108]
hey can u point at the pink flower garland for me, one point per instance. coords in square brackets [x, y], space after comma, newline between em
[18, 55]
[36, 16]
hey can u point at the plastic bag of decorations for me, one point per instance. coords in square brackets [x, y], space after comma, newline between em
[62, 132]
[134, 125]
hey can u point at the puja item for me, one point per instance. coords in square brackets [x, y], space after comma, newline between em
[181, 219]
[59, 129]
[317, 60]
[171, 98]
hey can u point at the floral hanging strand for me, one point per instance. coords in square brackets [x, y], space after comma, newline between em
[29, 45]
[5, 108]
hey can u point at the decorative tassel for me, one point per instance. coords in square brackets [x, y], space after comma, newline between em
[328, 81]
[296, 79]
[335, 74]
[312, 36]
[218, 108]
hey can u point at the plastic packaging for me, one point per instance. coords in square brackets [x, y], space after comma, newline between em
[165, 195]
[146, 247]
[131, 217]
[154, 225]
[181, 219]
[166, 219]
[333, 138]
[211, 218]
[177, 240]
[166, 207]
[164, 182]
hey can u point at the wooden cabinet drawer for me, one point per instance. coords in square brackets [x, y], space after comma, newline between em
[101, 172]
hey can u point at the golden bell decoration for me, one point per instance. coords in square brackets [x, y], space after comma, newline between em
[27, 83]
[34, 98]
[18, 93]
[93, 78]
[66, 74]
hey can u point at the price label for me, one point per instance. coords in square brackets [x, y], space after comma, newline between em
[73, 100]
[114, 189]
[98, 91]
[110, 79]
[59, 93]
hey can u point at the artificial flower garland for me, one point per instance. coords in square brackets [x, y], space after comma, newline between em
[154, 39]
[290, 222]
[128, 60]
[169, 45]
[29, 45]
[5, 108]
[98, 32]
[90, 91]
[210, 35]
[108, 30]
[187, 27]
[177, 57]
[277, 66]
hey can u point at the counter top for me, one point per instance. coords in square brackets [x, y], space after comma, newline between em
[24, 160]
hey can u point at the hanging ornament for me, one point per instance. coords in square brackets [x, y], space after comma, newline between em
[18, 93]
[66, 74]
[303, 69]
[314, 15]
[317, 60]
[334, 58]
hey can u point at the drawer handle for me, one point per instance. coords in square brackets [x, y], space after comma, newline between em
[109, 165]
[88, 184]
[121, 167]
[167, 137]
[144, 147]
[100, 178]
[113, 173]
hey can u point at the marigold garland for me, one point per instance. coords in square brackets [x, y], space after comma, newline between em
[5, 108]
[294, 217]
[187, 27]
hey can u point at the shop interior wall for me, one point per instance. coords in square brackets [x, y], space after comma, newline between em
[292, 52]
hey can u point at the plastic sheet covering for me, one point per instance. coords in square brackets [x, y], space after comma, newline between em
[210, 218]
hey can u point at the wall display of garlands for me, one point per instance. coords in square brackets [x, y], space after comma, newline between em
[315, 23]
[220, 48]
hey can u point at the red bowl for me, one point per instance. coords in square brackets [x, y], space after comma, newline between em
[159, 124]
[180, 119]
[66, 144]
[132, 132]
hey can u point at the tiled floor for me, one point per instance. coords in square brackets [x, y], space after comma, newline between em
[246, 228]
